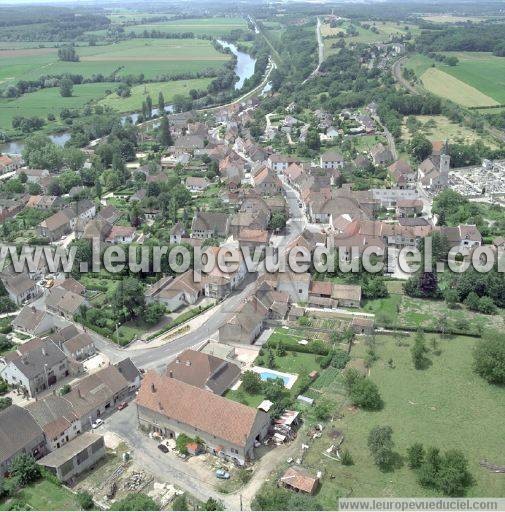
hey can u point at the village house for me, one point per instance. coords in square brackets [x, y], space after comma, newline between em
[267, 183]
[177, 233]
[280, 163]
[36, 322]
[121, 235]
[64, 302]
[409, 207]
[227, 429]
[217, 282]
[380, 154]
[110, 214]
[209, 224]
[176, 292]
[402, 175]
[21, 288]
[245, 325]
[44, 202]
[196, 184]
[34, 367]
[204, 371]
[331, 160]
[55, 227]
[19, 435]
[461, 236]
[362, 325]
[9, 163]
[32, 175]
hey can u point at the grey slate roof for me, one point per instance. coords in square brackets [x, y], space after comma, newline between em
[17, 429]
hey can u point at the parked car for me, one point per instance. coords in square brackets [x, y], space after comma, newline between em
[221, 473]
[122, 405]
[163, 448]
[97, 423]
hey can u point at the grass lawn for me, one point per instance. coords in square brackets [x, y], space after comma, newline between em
[293, 362]
[49, 101]
[446, 405]
[139, 92]
[44, 495]
[198, 26]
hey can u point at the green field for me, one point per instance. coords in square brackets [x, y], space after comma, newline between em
[198, 26]
[139, 92]
[446, 406]
[151, 57]
[476, 81]
[49, 101]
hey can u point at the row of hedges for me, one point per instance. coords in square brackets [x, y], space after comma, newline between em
[450, 331]
[314, 347]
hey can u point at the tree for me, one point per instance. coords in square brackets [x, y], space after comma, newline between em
[365, 394]
[24, 469]
[451, 297]
[164, 135]
[489, 358]
[128, 300]
[180, 503]
[418, 351]
[251, 382]
[472, 301]
[5, 402]
[66, 88]
[380, 443]
[212, 504]
[135, 501]
[74, 158]
[85, 500]
[153, 313]
[67, 53]
[322, 410]
[149, 107]
[277, 221]
[161, 103]
[346, 458]
[453, 475]
[486, 305]
[420, 147]
[415, 455]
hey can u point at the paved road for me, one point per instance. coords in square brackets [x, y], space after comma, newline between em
[320, 51]
[398, 76]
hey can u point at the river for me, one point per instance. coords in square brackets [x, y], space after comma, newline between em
[244, 69]
[245, 64]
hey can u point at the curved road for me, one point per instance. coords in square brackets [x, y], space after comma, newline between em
[158, 356]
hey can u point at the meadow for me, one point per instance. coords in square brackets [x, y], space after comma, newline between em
[139, 92]
[151, 57]
[437, 128]
[447, 406]
[214, 27]
[49, 101]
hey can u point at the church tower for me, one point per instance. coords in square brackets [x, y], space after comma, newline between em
[445, 161]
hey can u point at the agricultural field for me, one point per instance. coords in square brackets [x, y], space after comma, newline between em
[214, 27]
[139, 92]
[151, 57]
[431, 406]
[437, 128]
[49, 101]
[476, 81]
[451, 18]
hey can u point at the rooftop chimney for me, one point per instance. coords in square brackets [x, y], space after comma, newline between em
[44, 351]
[171, 374]
[153, 387]
[160, 405]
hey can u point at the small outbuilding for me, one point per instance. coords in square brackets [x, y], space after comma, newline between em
[298, 479]
[75, 457]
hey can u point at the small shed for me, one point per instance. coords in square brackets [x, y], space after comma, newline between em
[298, 479]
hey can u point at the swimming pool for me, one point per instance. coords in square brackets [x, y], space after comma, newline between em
[267, 374]
[273, 376]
